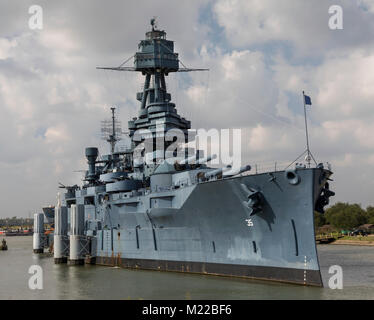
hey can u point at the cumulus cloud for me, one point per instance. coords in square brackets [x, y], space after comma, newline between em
[51, 96]
[240, 91]
[302, 25]
[52, 99]
[334, 67]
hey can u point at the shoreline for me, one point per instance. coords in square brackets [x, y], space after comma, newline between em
[353, 242]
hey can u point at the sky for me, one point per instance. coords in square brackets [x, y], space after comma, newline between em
[261, 55]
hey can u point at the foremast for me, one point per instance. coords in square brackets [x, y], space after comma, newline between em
[155, 60]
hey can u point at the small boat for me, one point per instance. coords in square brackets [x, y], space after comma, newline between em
[3, 245]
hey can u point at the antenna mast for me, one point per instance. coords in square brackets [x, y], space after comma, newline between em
[308, 153]
[111, 130]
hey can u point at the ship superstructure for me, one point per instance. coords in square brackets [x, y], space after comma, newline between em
[155, 207]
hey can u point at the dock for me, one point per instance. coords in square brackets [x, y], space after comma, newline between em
[328, 238]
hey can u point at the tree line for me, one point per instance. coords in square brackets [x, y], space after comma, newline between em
[345, 216]
[14, 222]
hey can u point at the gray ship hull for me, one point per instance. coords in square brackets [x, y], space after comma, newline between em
[210, 231]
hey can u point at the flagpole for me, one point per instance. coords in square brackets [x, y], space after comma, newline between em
[306, 134]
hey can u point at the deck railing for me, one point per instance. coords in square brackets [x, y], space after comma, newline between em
[274, 166]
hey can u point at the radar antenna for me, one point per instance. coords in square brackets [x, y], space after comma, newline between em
[154, 23]
[111, 130]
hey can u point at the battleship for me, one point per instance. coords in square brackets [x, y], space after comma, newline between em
[157, 211]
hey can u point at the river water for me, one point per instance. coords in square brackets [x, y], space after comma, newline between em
[99, 282]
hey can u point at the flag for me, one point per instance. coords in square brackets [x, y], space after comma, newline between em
[307, 100]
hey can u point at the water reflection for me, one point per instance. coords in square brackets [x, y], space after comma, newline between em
[97, 282]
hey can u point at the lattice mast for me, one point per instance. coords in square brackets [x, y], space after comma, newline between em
[111, 130]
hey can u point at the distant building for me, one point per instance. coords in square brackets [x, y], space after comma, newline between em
[368, 227]
[327, 228]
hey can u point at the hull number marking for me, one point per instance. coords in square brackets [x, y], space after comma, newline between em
[249, 222]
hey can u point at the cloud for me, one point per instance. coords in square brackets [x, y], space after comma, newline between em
[240, 93]
[52, 98]
[302, 25]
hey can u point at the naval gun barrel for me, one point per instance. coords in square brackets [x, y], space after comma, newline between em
[198, 161]
[187, 160]
[216, 172]
[206, 159]
[241, 170]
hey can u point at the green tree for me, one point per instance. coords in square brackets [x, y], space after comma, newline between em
[370, 214]
[346, 216]
[319, 219]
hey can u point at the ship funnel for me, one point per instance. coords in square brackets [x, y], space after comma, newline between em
[91, 155]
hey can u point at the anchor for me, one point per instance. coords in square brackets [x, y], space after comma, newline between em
[323, 199]
[255, 199]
